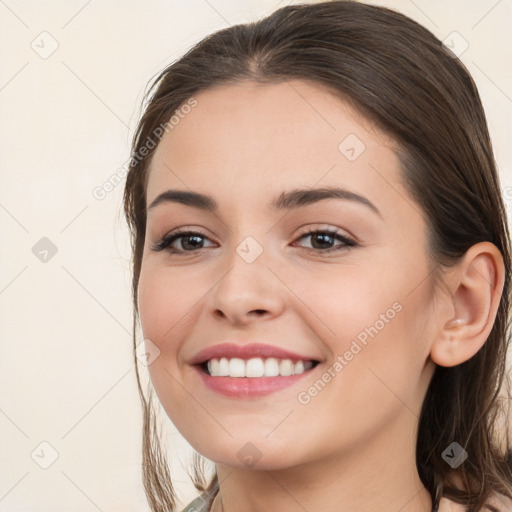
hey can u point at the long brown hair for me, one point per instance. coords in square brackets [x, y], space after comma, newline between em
[396, 73]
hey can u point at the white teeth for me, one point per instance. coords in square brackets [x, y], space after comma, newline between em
[236, 367]
[271, 367]
[286, 367]
[213, 366]
[256, 367]
[223, 367]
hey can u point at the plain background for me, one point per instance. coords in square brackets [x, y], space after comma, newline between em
[66, 372]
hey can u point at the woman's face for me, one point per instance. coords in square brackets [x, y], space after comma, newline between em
[252, 274]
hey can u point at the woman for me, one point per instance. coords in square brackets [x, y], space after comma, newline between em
[321, 269]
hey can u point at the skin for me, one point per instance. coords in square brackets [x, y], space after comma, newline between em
[354, 442]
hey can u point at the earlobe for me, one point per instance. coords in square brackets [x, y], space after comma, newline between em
[475, 289]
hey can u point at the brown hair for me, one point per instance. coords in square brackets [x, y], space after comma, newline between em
[396, 73]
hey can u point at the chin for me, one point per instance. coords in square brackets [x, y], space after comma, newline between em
[248, 455]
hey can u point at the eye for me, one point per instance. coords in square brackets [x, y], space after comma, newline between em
[324, 238]
[190, 241]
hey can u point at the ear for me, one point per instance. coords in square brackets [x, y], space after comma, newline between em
[467, 312]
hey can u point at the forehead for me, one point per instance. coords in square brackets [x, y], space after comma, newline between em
[256, 138]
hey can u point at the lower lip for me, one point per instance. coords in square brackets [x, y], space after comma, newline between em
[247, 387]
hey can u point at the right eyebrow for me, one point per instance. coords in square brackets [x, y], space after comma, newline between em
[193, 199]
[286, 201]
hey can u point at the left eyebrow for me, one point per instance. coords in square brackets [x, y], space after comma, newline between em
[298, 198]
[286, 201]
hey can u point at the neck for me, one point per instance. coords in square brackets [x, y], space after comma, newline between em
[372, 476]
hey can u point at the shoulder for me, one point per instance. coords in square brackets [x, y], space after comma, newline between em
[500, 503]
[497, 503]
[446, 505]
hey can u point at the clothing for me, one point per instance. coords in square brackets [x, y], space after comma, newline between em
[201, 503]
[198, 505]
[502, 504]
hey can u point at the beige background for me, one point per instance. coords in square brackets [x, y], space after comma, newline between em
[66, 373]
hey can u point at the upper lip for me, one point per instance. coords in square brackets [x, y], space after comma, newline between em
[246, 351]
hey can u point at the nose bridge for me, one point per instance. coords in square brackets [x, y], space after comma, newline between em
[247, 285]
[250, 249]
[250, 239]
[248, 273]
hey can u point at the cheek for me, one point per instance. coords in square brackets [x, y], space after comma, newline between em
[387, 373]
[153, 299]
[368, 317]
[344, 302]
[166, 314]
[164, 304]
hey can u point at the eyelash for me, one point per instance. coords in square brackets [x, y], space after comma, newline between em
[167, 240]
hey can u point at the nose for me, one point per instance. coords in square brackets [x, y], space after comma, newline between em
[247, 292]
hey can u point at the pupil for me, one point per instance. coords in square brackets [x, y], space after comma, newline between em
[192, 237]
[325, 238]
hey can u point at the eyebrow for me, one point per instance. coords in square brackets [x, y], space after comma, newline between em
[286, 201]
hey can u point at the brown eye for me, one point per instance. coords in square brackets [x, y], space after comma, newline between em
[189, 241]
[322, 240]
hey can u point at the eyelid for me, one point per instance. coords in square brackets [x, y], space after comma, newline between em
[304, 232]
[164, 241]
[347, 241]
[308, 228]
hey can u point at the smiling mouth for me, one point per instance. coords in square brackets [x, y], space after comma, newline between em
[255, 367]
